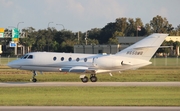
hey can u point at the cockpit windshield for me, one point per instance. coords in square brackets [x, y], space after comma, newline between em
[27, 57]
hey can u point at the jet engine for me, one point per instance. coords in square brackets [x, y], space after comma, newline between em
[106, 62]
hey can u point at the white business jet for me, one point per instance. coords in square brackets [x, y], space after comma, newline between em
[133, 57]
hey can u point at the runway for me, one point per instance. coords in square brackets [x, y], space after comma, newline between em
[85, 108]
[38, 84]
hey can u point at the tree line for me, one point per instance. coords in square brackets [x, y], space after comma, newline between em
[64, 40]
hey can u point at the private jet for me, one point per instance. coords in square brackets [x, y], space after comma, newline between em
[132, 57]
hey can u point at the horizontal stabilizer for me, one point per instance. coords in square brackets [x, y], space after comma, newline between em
[145, 47]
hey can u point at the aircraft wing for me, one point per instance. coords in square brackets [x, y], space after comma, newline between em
[76, 69]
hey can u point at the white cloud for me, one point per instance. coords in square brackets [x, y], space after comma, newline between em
[64, 6]
[84, 14]
[6, 3]
[108, 8]
[12, 12]
[75, 7]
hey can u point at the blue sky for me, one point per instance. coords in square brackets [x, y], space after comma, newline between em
[83, 15]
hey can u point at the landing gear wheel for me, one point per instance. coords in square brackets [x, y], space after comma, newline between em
[85, 79]
[34, 80]
[93, 78]
[33, 77]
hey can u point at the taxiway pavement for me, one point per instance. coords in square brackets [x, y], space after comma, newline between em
[30, 84]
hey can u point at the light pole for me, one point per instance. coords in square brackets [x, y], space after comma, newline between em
[61, 25]
[49, 23]
[18, 24]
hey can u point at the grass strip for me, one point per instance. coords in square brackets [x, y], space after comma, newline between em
[90, 96]
[146, 74]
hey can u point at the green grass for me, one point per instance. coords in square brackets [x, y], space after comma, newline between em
[165, 61]
[146, 74]
[90, 96]
[5, 60]
[162, 70]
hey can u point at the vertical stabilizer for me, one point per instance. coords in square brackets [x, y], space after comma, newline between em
[145, 48]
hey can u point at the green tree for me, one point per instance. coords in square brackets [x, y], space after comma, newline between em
[121, 26]
[148, 30]
[28, 38]
[94, 33]
[160, 25]
[131, 30]
[140, 29]
[106, 33]
[178, 30]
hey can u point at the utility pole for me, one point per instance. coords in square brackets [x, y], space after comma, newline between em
[138, 29]
[78, 37]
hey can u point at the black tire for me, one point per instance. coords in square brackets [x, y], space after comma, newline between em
[93, 79]
[34, 80]
[85, 79]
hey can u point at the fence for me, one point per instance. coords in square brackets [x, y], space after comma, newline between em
[5, 60]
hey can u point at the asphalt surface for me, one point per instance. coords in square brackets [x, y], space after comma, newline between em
[26, 84]
[85, 108]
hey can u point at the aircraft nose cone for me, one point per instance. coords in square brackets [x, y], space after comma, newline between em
[13, 64]
[10, 64]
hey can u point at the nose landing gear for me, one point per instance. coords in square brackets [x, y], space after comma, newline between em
[33, 77]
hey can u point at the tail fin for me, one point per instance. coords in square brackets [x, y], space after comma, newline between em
[145, 48]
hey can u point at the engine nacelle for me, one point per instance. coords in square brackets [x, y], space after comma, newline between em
[107, 62]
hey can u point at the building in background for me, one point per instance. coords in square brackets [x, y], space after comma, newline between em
[124, 42]
[96, 49]
[0, 49]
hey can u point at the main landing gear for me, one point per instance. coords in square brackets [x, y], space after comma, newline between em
[84, 78]
[33, 77]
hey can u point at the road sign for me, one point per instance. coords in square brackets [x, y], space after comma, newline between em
[15, 35]
[12, 44]
[1, 32]
[1, 35]
[1, 29]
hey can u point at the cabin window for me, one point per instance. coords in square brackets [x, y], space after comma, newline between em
[54, 58]
[77, 59]
[70, 59]
[30, 57]
[62, 58]
[85, 59]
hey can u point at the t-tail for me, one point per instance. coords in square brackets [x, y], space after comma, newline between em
[145, 48]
